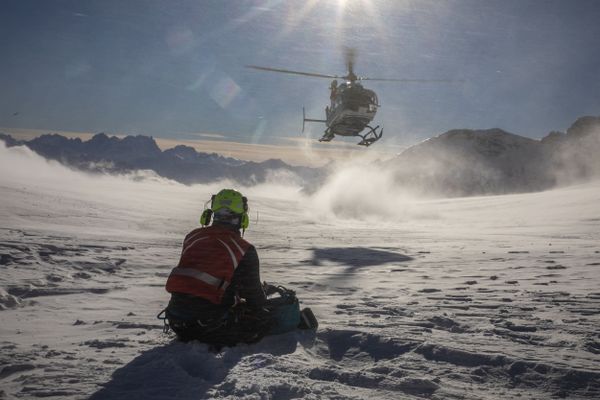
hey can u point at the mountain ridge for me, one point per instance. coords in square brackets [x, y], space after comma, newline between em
[465, 162]
[103, 153]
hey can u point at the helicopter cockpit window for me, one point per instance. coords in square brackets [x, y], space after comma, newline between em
[356, 97]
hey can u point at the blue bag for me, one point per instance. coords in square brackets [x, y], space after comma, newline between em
[284, 311]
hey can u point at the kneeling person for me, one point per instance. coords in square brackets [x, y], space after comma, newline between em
[216, 293]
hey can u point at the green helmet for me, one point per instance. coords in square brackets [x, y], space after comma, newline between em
[227, 201]
[231, 200]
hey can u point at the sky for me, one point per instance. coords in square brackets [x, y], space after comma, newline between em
[176, 69]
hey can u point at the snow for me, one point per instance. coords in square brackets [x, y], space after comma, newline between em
[465, 298]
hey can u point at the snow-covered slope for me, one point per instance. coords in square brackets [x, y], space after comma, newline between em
[467, 298]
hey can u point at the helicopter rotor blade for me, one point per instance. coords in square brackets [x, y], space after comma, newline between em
[288, 71]
[361, 78]
[350, 57]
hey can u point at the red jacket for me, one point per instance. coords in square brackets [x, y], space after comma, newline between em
[208, 261]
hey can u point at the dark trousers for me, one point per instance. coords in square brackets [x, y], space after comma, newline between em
[241, 324]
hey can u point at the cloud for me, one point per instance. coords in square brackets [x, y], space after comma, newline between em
[357, 189]
[38, 194]
[208, 135]
[26, 175]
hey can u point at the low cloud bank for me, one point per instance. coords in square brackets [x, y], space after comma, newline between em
[358, 190]
[149, 195]
[21, 166]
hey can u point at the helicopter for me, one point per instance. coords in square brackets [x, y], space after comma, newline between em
[352, 106]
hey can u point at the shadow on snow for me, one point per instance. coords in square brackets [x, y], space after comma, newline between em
[189, 370]
[357, 257]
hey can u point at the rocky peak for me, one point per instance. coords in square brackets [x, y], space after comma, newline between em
[9, 141]
[102, 146]
[182, 152]
[584, 126]
[554, 137]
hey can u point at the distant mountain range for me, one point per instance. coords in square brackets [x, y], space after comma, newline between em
[182, 163]
[456, 163]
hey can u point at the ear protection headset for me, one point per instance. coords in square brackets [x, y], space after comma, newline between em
[207, 214]
[245, 219]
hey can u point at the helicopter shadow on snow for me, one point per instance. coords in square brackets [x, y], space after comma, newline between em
[357, 257]
[189, 370]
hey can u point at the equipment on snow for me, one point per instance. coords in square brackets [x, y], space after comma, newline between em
[243, 324]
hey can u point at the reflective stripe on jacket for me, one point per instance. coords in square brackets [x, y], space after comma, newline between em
[208, 261]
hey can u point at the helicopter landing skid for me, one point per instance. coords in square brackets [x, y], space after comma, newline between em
[370, 137]
[327, 136]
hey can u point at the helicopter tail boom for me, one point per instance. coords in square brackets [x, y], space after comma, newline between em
[304, 119]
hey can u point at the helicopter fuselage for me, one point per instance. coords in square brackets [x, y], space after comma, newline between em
[352, 109]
